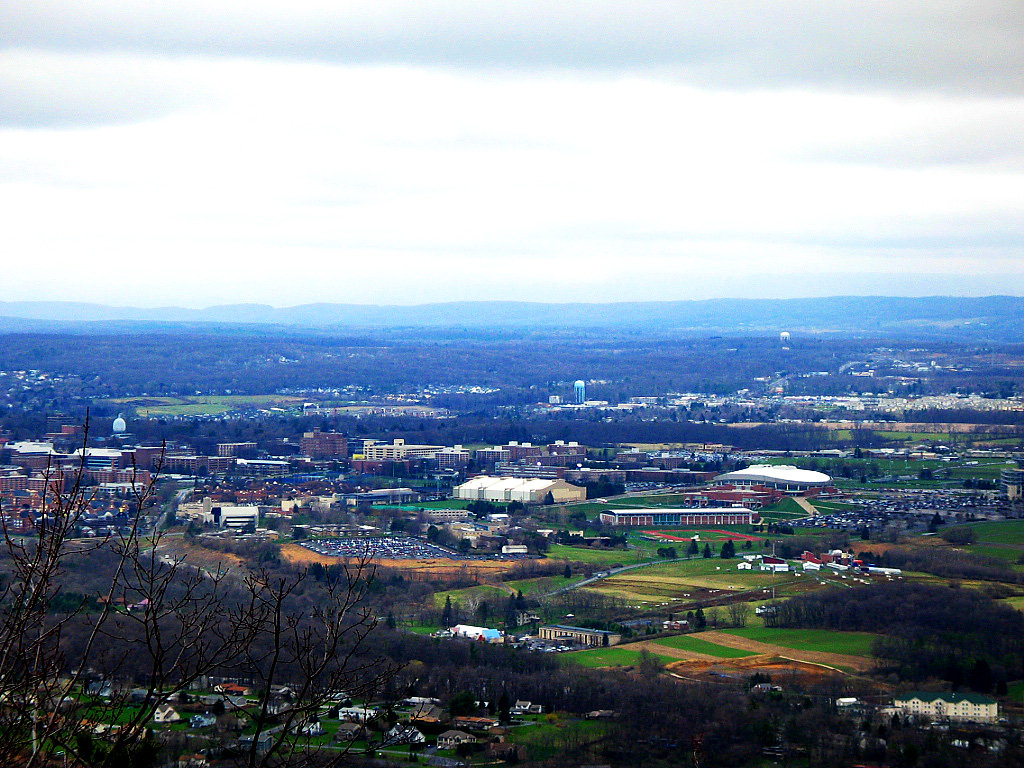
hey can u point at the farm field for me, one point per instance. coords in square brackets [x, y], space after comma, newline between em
[828, 641]
[707, 578]
[697, 645]
[845, 661]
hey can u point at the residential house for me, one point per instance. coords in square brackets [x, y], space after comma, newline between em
[403, 734]
[312, 728]
[474, 723]
[452, 739]
[165, 713]
[348, 732]
[427, 713]
[231, 689]
[526, 708]
[357, 714]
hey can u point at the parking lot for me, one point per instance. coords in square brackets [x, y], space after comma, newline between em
[914, 509]
[394, 548]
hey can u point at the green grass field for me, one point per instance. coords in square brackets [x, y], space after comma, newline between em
[697, 645]
[825, 640]
[1001, 532]
[595, 556]
[611, 657]
[541, 585]
[787, 509]
[205, 405]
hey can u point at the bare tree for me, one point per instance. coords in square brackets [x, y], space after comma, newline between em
[739, 613]
[156, 628]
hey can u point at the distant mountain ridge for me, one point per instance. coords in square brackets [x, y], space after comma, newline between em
[999, 317]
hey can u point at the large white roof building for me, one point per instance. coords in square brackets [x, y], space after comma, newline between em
[785, 477]
[521, 489]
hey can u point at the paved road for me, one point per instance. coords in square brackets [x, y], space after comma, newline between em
[606, 574]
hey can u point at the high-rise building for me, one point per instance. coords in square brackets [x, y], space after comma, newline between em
[323, 445]
[580, 390]
[1012, 481]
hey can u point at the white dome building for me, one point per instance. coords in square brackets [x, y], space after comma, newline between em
[120, 425]
[784, 477]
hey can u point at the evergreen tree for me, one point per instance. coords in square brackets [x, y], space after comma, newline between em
[446, 614]
[707, 550]
[700, 621]
[693, 549]
[728, 550]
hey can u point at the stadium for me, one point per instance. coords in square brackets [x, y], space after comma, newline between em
[782, 477]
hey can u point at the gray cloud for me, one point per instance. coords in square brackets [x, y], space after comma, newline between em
[898, 45]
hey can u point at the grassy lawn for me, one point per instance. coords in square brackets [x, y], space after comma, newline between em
[205, 404]
[611, 657]
[545, 740]
[422, 629]
[787, 509]
[832, 506]
[1001, 532]
[1010, 552]
[697, 645]
[542, 585]
[826, 640]
[495, 596]
[1015, 602]
[595, 556]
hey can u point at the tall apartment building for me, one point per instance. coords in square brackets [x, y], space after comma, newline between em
[324, 445]
[1012, 481]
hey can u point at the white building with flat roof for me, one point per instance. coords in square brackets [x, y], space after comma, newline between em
[525, 490]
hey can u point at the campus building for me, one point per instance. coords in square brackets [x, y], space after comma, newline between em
[521, 489]
[783, 477]
[323, 445]
[399, 450]
[668, 518]
[581, 635]
[1012, 482]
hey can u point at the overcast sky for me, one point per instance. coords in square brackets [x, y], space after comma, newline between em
[197, 153]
